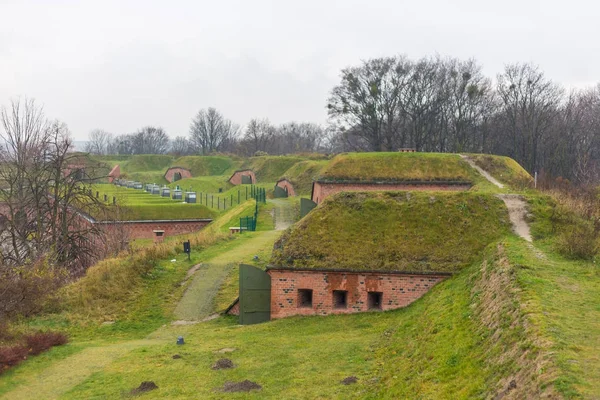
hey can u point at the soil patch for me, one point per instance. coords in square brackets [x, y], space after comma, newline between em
[176, 356]
[223, 363]
[517, 210]
[146, 386]
[349, 380]
[244, 386]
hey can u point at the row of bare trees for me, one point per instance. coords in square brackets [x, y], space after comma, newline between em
[448, 105]
[430, 104]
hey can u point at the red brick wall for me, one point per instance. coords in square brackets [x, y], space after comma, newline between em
[399, 290]
[170, 174]
[235, 310]
[236, 178]
[114, 173]
[322, 190]
[144, 229]
[284, 183]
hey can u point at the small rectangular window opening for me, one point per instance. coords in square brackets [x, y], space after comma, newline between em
[340, 299]
[305, 298]
[374, 300]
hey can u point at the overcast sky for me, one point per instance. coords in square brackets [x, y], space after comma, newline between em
[120, 65]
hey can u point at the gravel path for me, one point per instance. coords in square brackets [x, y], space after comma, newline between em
[285, 213]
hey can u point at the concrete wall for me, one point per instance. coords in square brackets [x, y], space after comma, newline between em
[114, 173]
[321, 190]
[144, 229]
[398, 290]
[170, 174]
[236, 178]
[285, 184]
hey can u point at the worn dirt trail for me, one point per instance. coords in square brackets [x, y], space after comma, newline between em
[64, 375]
[196, 303]
[517, 207]
[483, 172]
[517, 211]
[284, 213]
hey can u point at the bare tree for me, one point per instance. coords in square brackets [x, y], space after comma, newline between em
[150, 140]
[259, 136]
[210, 131]
[44, 191]
[181, 146]
[99, 142]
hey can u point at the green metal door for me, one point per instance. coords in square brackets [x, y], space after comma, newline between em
[280, 192]
[306, 205]
[255, 295]
[246, 180]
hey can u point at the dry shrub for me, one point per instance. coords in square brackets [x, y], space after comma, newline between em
[25, 290]
[578, 242]
[12, 355]
[42, 341]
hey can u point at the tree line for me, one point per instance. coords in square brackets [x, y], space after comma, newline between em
[432, 104]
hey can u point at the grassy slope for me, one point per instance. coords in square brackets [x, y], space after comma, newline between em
[270, 168]
[303, 174]
[504, 169]
[208, 165]
[394, 231]
[398, 166]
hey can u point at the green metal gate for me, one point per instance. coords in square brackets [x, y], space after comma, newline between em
[306, 205]
[246, 180]
[255, 295]
[280, 192]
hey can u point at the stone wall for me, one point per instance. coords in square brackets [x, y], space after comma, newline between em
[321, 190]
[396, 290]
[285, 184]
[236, 178]
[170, 174]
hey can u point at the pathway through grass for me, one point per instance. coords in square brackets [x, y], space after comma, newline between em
[58, 379]
[198, 300]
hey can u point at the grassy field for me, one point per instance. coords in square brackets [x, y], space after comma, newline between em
[394, 231]
[208, 165]
[516, 320]
[398, 166]
[140, 205]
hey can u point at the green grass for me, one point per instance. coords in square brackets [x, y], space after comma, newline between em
[399, 167]
[204, 184]
[270, 168]
[140, 205]
[394, 231]
[504, 169]
[147, 162]
[303, 174]
[208, 165]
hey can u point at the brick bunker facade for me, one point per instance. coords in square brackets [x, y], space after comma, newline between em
[236, 178]
[322, 190]
[145, 229]
[395, 290]
[285, 184]
[184, 173]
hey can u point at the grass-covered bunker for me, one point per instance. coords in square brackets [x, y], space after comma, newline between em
[392, 172]
[379, 251]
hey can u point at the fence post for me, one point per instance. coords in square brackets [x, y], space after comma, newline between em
[238, 196]
[212, 201]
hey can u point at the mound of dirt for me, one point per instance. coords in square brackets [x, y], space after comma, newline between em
[145, 386]
[176, 356]
[223, 363]
[349, 380]
[244, 386]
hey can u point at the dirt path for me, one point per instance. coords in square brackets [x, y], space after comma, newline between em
[197, 302]
[285, 213]
[62, 376]
[483, 172]
[517, 210]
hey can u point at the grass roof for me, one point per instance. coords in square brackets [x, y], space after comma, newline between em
[398, 167]
[393, 231]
